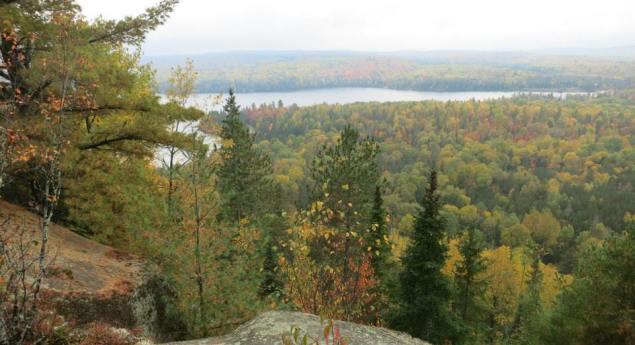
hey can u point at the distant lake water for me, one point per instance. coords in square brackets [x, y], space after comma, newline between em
[205, 101]
[211, 101]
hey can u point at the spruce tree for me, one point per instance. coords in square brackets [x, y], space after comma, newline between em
[469, 279]
[425, 292]
[272, 283]
[378, 236]
[244, 176]
[529, 307]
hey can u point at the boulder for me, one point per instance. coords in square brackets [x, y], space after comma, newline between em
[270, 327]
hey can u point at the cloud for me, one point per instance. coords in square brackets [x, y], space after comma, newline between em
[203, 25]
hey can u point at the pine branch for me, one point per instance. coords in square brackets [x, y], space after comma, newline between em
[132, 30]
[104, 142]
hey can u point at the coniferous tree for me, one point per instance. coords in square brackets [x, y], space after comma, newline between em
[468, 275]
[378, 236]
[271, 281]
[247, 189]
[529, 307]
[345, 176]
[425, 292]
[599, 305]
[272, 284]
[244, 176]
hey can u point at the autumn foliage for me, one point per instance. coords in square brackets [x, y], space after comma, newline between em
[331, 335]
[323, 280]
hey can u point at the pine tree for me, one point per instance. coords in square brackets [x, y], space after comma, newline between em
[378, 236]
[425, 292]
[244, 176]
[345, 176]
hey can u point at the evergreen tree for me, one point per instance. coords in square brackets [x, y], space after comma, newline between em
[345, 176]
[530, 306]
[469, 280]
[271, 281]
[425, 292]
[599, 306]
[244, 176]
[378, 236]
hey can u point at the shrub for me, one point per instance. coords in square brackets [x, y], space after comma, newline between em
[323, 280]
[102, 334]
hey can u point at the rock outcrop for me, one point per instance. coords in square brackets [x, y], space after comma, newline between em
[270, 327]
[79, 265]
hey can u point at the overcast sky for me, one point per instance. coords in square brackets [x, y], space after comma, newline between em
[199, 26]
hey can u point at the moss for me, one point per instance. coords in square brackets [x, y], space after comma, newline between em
[155, 311]
[151, 307]
[83, 309]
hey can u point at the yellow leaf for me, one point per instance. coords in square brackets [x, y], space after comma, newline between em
[318, 205]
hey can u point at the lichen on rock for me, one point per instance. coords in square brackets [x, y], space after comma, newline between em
[270, 327]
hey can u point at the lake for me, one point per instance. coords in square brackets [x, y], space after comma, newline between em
[351, 95]
[211, 101]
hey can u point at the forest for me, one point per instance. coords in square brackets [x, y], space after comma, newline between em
[433, 71]
[506, 221]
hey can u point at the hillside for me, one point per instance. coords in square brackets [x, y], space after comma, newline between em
[263, 71]
[80, 265]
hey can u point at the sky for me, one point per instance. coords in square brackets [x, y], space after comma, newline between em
[199, 26]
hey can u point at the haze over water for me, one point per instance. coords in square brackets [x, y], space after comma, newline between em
[347, 96]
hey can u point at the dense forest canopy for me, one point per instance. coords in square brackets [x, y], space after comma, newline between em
[423, 71]
[499, 161]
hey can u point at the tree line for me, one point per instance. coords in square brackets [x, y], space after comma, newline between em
[456, 73]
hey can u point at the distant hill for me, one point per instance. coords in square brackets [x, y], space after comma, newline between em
[561, 70]
[623, 52]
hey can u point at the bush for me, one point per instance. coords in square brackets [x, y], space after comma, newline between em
[322, 280]
[102, 334]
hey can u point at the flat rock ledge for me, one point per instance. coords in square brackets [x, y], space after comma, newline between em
[269, 327]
